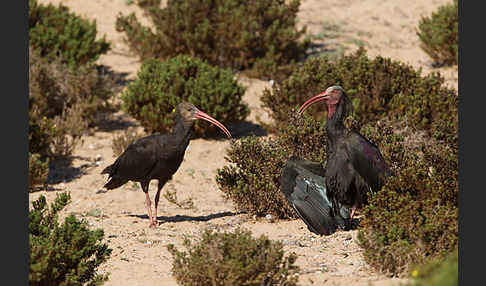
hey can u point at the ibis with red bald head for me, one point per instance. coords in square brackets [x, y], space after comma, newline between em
[354, 165]
[157, 157]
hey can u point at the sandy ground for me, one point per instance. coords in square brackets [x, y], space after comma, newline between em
[140, 256]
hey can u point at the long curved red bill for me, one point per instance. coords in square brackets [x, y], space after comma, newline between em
[312, 100]
[204, 116]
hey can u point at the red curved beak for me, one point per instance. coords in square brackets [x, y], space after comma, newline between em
[321, 96]
[204, 116]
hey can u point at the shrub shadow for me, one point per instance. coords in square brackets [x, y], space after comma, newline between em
[114, 123]
[315, 49]
[237, 129]
[62, 171]
[119, 79]
[354, 224]
[246, 128]
[319, 50]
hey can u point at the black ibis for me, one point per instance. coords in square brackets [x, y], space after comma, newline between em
[354, 165]
[157, 157]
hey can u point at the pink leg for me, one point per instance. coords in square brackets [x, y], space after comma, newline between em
[157, 196]
[353, 209]
[148, 203]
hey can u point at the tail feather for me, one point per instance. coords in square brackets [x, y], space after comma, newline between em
[108, 170]
[304, 187]
[115, 182]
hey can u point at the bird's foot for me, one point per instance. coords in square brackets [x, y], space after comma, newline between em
[154, 224]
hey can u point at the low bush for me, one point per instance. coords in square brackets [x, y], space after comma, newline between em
[63, 254]
[379, 88]
[415, 215]
[251, 180]
[411, 219]
[38, 170]
[233, 34]
[56, 32]
[438, 272]
[439, 34]
[233, 258]
[63, 103]
[160, 86]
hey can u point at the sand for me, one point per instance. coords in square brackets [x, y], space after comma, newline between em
[140, 256]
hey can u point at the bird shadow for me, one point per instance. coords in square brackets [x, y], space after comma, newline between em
[354, 224]
[182, 218]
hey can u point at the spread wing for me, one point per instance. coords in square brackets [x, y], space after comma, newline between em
[305, 190]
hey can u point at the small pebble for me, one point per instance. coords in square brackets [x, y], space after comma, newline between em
[269, 218]
[288, 242]
[304, 244]
[98, 157]
[96, 212]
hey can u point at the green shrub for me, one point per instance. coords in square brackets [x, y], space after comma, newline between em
[55, 137]
[57, 32]
[38, 170]
[379, 88]
[415, 215]
[439, 34]
[66, 254]
[233, 259]
[160, 86]
[438, 272]
[251, 180]
[63, 103]
[234, 34]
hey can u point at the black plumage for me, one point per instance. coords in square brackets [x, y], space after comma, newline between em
[157, 156]
[303, 184]
[354, 165]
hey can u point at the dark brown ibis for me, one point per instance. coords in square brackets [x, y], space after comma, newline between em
[354, 164]
[157, 157]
